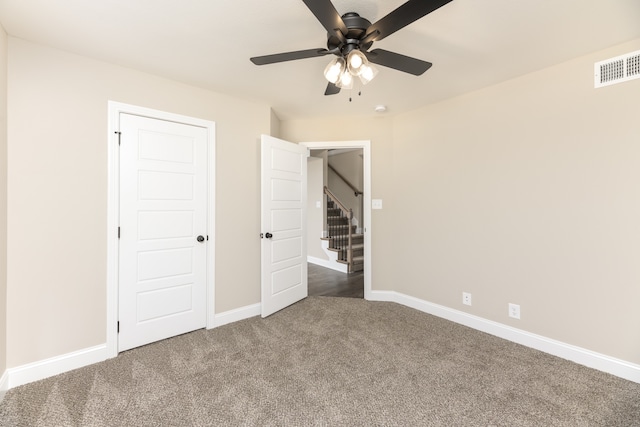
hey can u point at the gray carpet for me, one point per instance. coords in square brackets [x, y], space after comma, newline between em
[329, 361]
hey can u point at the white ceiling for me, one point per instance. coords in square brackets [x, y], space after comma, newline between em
[207, 43]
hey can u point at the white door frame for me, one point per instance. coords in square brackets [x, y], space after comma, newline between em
[113, 210]
[366, 204]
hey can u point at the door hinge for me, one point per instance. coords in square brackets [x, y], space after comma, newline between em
[118, 133]
[118, 232]
[118, 326]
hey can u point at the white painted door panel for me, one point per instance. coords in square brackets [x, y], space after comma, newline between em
[163, 208]
[284, 203]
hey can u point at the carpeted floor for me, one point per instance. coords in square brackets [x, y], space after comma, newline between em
[326, 362]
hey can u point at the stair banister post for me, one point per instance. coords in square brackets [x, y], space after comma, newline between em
[349, 244]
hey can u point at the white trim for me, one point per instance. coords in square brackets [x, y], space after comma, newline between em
[582, 356]
[36, 371]
[365, 145]
[384, 296]
[211, 226]
[56, 365]
[42, 369]
[113, 210]
[236, 315]
[328, 264]
[4, 385]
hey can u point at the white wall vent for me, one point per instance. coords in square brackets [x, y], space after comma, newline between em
[617, 70]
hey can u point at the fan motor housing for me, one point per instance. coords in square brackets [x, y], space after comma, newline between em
[357, 27]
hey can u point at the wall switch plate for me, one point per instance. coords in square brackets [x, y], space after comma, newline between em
[466, 298]
[514, 311]
[376, 204]
[318, 204]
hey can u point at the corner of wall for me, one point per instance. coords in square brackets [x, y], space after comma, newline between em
[275, 124]
[3, 210]
[3, 194]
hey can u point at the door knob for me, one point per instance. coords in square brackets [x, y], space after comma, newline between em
[200, 239]
[268, 235]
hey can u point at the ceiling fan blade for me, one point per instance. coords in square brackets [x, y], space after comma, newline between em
[327, 14]
[398, 62]
[332, 89]
[401, 17]
[289, 56]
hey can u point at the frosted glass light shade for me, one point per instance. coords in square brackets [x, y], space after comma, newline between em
[368, 73]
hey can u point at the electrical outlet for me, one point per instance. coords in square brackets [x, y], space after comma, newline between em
[514, 311]
[466, 298]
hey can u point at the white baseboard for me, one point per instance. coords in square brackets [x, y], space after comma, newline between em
[55, 365]
[620, 368]
[236, 315]
[42, 369]
[4, 385]
[343, 268]
[25, 374]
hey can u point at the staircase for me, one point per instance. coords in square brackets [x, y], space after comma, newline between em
[342, 237]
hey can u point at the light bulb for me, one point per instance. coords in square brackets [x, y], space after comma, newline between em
[355, 61]
[345, 81]
[334, 69]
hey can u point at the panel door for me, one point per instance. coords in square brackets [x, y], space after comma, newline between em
[284, 215]
[163, 211]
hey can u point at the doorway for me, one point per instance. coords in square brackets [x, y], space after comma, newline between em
[327, 281]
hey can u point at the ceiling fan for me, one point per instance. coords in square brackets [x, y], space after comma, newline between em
[350, 37]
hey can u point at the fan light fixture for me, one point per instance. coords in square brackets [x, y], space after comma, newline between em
[341, 71]
[350, 38]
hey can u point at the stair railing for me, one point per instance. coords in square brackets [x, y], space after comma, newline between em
[355, 190]
[346, 181]
[339, 240]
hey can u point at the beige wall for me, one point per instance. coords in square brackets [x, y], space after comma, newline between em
[3, 200]
[315, 215]
[58, 192]
[525, 192]
[274, 124]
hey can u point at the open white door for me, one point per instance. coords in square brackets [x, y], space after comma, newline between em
[284, 216]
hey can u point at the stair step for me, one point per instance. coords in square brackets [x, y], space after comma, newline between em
[340, 226]
[344, 236]
[355, 248]
[356, 260]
